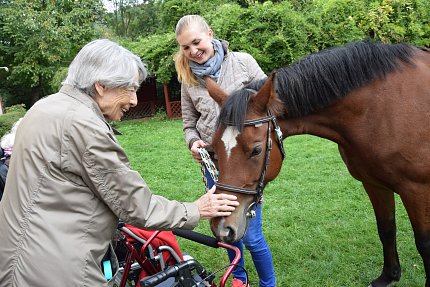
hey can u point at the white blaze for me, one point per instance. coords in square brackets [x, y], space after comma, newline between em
[229, 139]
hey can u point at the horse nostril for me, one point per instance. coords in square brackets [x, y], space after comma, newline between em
[230, 237]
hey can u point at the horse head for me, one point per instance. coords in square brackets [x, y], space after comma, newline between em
[247, 159]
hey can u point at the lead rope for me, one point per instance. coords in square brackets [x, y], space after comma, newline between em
[208, 164]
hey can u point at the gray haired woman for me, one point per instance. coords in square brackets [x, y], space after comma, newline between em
[70, 181]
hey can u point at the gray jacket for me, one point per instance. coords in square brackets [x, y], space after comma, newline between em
[69, 182]
[199, 111]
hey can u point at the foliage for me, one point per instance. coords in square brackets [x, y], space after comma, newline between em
[59, 76]
[132, 18]
[173, 10]
[393, 21]
[157, 51]
[12, 115]
[18, 109]
[337, 22]
[287, 30]
[37, 37]
[290, 32]
[160, 115]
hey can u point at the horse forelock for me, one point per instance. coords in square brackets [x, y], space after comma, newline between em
[317, 80]
[235, 108]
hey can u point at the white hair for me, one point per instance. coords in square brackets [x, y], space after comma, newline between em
[105, 62]
[8, 139]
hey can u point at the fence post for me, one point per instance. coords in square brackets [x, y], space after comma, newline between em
[167, 100]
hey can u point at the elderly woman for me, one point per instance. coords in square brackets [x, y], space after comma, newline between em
[70, 181]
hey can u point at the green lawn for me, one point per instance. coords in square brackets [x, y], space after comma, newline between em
[318, 220]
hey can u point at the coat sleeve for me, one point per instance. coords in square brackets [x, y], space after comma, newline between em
[190, 116]
[107, 172]
[254, 70]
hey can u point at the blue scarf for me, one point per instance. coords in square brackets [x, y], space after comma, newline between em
[212, 67]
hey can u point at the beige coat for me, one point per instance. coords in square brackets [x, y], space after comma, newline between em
[69, 182]
[199, 111]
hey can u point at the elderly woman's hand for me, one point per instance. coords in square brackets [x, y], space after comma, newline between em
[215, 205]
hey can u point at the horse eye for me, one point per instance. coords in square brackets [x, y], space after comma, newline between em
[256, 151]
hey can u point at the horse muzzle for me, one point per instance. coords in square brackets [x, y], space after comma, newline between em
[231, 229]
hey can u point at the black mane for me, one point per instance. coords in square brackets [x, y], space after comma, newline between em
[235, 108]
[318, 80]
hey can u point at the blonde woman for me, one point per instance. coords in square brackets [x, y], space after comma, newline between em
[199, 55]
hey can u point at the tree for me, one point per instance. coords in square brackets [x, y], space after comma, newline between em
[142, 18]
[157, 51]
[124, 14]
[38, 37]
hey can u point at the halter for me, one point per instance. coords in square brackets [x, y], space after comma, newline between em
[258, 192]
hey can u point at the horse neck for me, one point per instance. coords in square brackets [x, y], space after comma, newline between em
[325, 124]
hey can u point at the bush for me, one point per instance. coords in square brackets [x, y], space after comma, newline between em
[12, 115]
[337, 22]
[157, 52]
[160, 115]
[274, 34]
[277, 33]
[397, 21]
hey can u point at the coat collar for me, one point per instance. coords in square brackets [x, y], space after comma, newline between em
[85, 99]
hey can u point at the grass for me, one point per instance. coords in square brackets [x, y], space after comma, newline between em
[318, 220]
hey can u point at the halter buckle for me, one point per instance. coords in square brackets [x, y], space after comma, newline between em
[251, 214]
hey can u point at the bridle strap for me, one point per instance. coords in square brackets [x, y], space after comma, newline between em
[278, 135]
[254, 122]
[236, 189]
[262, 120]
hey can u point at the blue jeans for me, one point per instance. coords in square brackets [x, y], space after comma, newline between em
[256, 244]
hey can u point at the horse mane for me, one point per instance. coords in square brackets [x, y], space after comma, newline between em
[235, 107]
[319, 79]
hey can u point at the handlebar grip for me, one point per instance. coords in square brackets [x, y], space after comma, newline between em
[171, 271]
[159, 277]
[197, 237]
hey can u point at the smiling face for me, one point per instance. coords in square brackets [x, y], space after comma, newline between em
[115, 102]
[196, 43]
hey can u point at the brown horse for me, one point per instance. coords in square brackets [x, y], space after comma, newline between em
[372, 99]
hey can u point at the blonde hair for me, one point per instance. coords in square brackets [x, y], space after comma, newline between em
[182, 65]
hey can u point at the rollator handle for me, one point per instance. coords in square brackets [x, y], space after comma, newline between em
[171, 271]
[197, 237]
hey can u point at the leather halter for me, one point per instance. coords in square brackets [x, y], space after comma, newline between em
[258, 192]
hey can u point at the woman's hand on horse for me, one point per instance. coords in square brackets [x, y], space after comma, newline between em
[216, 205]
[194, 152]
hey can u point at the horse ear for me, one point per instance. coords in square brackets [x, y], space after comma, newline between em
[262, 99]
[215, 91]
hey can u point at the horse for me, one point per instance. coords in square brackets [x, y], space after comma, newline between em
[372, 99]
